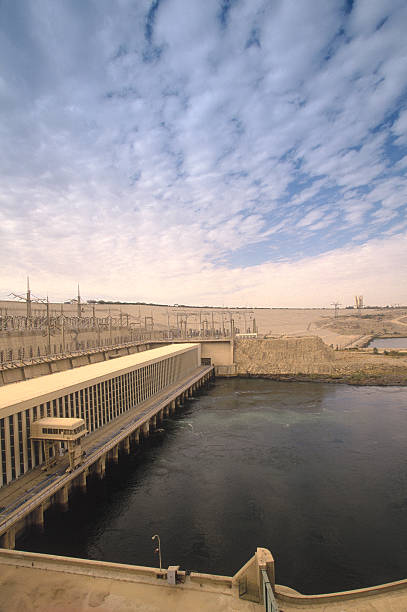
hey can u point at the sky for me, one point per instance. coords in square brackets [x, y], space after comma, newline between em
[226, 152]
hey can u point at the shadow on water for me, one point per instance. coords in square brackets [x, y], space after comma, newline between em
[314, 472]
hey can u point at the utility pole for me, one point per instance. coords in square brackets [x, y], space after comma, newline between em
[48, 327]
[28, 299]
[79, 303]
[63, 328]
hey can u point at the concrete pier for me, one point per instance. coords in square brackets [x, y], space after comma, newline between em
[62, 498]
[8, 538]
[81, 481]
[37, 517]
[115, 454]
[100, 467]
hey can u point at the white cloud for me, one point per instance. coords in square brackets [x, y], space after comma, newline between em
[400, 128]
[376, 269]
[151, 161]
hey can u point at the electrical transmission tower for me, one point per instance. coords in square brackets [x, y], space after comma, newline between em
[28, 298]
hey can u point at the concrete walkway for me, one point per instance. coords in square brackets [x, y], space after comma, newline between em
[26, 589]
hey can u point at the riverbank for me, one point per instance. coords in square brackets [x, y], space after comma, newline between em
[309, 359]
[357, 379]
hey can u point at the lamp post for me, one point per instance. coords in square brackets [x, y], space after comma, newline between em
[157, 537]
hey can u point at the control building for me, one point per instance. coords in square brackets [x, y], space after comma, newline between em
[96, 393]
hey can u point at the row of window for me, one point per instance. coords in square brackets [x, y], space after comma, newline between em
[53, 431]
[97, 404]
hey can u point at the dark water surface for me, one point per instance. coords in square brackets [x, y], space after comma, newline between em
[317, 473]
[390, 343]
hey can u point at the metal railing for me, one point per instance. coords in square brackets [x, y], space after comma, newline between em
[270, 604]
[46, 358]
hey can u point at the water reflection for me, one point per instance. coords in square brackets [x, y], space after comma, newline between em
[315, 472]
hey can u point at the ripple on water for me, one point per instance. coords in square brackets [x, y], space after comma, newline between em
[317, 473]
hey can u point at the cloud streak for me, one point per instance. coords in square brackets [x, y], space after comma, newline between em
[158, 149]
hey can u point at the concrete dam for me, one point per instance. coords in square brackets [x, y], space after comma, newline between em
[60, 429]
[115, 402]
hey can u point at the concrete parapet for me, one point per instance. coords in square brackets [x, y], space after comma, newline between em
[265, 561]
[398, 589]
[212, 579]
[119, 571]
[248, 582]
[28, 569]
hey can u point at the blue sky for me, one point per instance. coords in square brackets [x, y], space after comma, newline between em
[223, 152]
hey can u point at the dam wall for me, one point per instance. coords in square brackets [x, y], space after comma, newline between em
[28, 344]
[48, 582]
[25, 370]
[308, 358]
[306, 355]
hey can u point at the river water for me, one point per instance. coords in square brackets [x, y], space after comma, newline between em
[317, 473]
[389, 343]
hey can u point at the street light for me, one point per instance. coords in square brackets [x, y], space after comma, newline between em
[155, 536]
